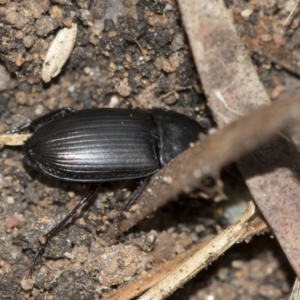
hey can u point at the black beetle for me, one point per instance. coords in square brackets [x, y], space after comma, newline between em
[97, 145]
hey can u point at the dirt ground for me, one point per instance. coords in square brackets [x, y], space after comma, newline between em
[127, 51]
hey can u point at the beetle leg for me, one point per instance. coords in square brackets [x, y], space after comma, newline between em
[44, 118]
[55, 230]
[134, 197]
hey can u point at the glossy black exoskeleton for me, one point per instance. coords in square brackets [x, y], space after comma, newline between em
[97, 145]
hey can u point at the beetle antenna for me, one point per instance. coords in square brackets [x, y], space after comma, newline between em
[39, 120]
[55, 230]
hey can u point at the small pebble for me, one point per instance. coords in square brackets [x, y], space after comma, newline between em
[11, 222]
[10, 200]
[71, 194]
[246, 13]
[27, 283]
[4, 78]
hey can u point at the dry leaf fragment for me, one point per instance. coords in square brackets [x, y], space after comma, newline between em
[17, 139]
[59, 52]
[296, 290]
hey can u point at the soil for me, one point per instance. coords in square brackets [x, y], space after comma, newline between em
[125, 52]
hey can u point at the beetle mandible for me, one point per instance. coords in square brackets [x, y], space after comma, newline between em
[106, 144]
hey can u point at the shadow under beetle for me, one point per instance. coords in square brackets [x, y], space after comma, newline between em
[107, 144]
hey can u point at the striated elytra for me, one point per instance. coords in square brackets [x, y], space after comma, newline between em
[107, 144]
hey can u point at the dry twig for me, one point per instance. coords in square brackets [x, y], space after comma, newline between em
[224, 67]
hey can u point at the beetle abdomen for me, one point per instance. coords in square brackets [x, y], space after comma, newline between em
[96, 145]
